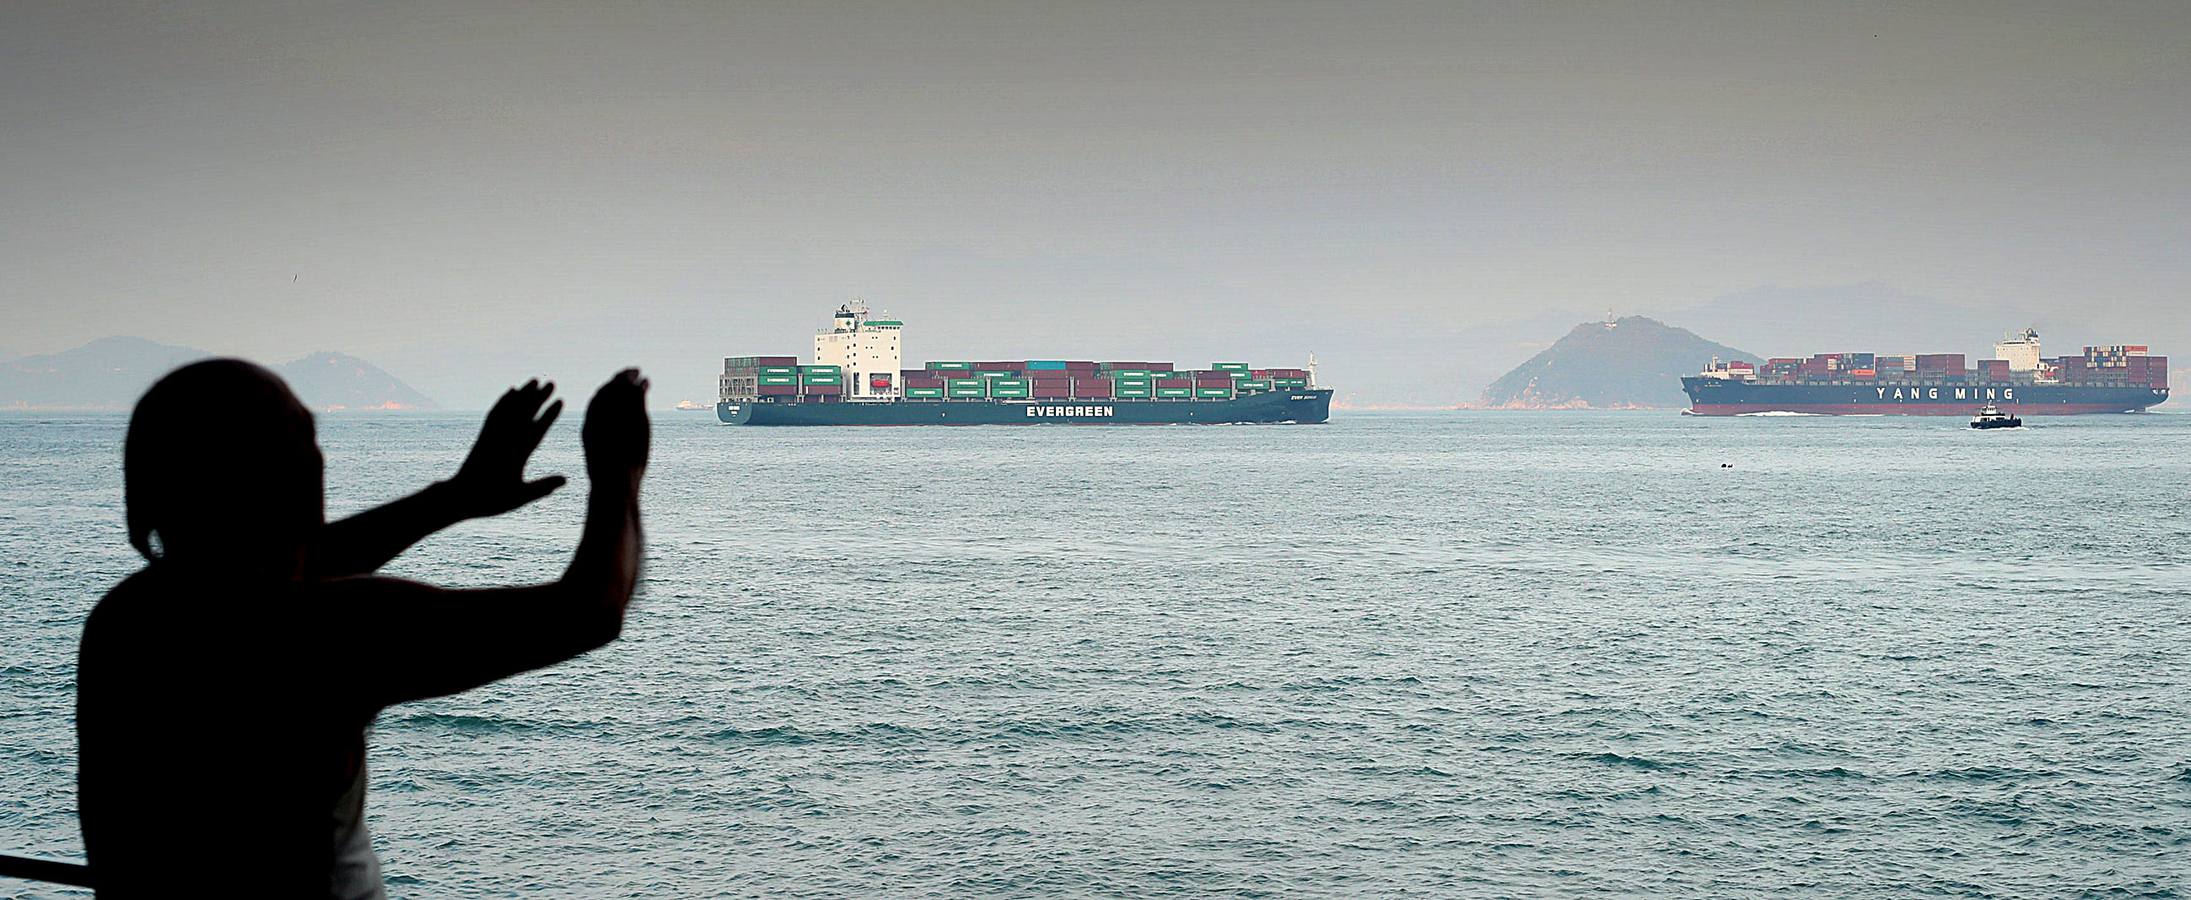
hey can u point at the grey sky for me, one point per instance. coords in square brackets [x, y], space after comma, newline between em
[467, 196]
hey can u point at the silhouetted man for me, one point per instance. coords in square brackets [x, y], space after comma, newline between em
[224, 690]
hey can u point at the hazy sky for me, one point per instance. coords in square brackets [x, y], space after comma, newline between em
[471, 193]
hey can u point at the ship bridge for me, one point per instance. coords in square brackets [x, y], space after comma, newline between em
[868, 349]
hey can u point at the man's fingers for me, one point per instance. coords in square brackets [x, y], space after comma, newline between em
[521, 402]
[534, 393]
[501, 408]
[547, 421]
[535, 490]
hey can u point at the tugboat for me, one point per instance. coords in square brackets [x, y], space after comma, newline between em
[1991, 416]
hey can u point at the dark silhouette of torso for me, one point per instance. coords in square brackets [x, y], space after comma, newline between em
[243, 696]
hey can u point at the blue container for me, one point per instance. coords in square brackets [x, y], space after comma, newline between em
[1045, 365]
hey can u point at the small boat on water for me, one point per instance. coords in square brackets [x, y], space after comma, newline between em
[1991, 416]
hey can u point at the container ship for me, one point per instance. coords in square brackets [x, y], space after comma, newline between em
[858, 378]
[2122, 378]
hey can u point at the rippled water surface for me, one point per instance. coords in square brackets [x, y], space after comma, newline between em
[1439, 655]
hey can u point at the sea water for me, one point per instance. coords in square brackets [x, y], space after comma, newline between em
[1400, 654]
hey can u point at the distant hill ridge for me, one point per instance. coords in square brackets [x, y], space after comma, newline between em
[1628, 363]
[111, 372]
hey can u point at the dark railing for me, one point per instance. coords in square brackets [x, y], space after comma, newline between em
[77, 874]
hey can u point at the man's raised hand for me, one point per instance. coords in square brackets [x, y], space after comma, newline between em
[616, 433]
[492, 480]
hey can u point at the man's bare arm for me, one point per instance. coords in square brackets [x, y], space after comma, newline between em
[437, 642]
[491, 482]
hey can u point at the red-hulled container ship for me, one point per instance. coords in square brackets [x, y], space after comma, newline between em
[2121, 378]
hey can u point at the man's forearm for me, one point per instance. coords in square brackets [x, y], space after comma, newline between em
[605, 570]
[361, 544]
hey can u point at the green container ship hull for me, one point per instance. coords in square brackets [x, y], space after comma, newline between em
[1300, 406]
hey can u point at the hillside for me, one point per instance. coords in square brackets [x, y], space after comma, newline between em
[329, 380]
[107, 373]
[110, 373]
[1627, 363]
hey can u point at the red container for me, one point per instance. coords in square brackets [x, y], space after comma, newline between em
[1175, 382]
[775, 360]
[821, 390]
[1213, 381]
[1051, 391]
[1092, 388]
[777, 390]
[1157, 367]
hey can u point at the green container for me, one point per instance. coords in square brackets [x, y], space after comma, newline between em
[779, 379]
[821, 370]
[1129, 373]
[1213, 393]
[965, 394]
[1250, 384]
[821, 379]
[1284, 383]
[1132, 382]
[1007, 387]
[1229, 367]
[986, 374]
[922, 393]
[1018, 394]
[949, 366]
[1167, 393]
[1132, 395]
[779, 370]
[971, 384]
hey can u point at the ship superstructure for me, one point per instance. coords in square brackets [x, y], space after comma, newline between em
[2020, 379]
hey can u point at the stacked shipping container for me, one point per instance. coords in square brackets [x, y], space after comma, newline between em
[1063, 379]
[2122, 364]
[782, 377]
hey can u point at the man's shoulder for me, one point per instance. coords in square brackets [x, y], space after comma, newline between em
[132, 598]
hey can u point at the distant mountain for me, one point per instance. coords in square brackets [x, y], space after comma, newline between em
[1625, 363]
[107, 373]
[110, 373]
[329, 380]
